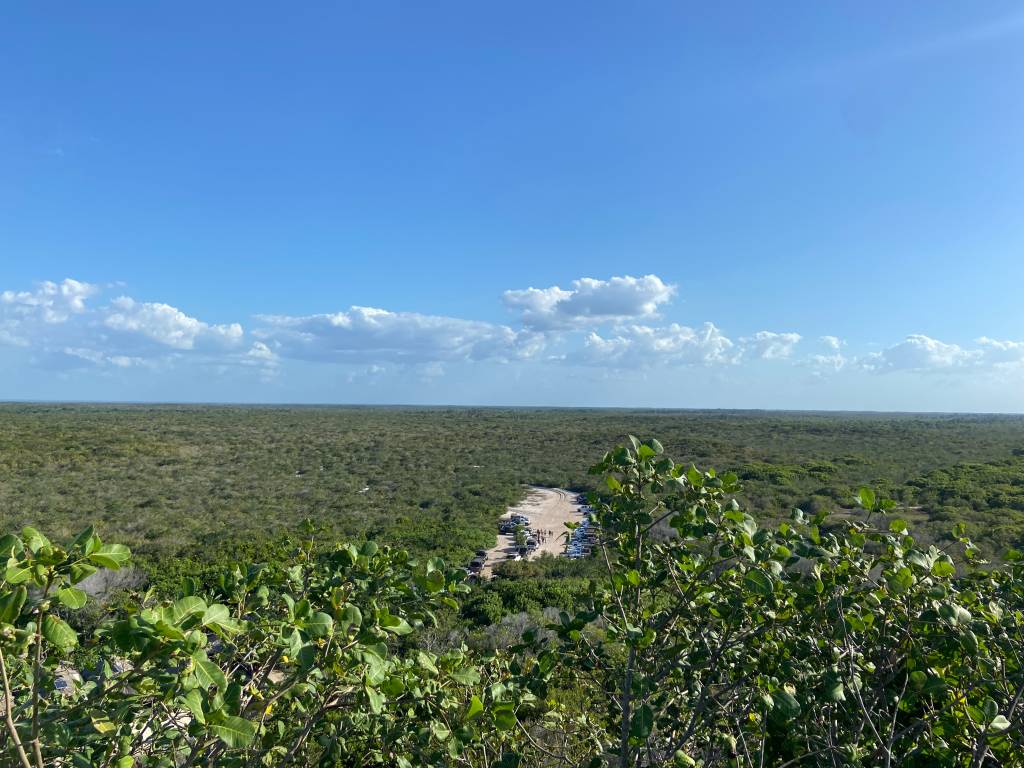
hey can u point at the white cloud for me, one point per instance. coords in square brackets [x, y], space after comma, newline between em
[64, 330]
[96, 357]
[49, 302]
[262, 354]
[26, 314]
[167, 325]
[644, 346]
[769, 345]
[590, 303]
[921, 353]
[368, 334]
[833, 360]
[1002, 353]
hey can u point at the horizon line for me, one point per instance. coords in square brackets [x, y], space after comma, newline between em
[690, 409]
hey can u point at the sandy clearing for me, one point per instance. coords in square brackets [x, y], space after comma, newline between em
[549, 509]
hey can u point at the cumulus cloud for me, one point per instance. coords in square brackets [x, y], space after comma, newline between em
[63, 329]
[1001, 353]
[833, 359]
[769, 345]
[643, 346]
[369, 334]
[70, 325]
[590, 303]
[167, 325]
[25, 314]
[50, 302]
[921, 353]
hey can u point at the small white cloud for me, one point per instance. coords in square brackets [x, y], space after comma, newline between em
[51, 302]
[98, 358]
[921, 353]
[1001, 353]
[769, 345]
[590, 303]
[26, 314]
[261, 353]
[642, 346]
[369, 334]
[832, 342]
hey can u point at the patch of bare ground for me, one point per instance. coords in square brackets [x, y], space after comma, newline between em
[548, 510]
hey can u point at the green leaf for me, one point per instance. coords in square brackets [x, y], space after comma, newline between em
[998, 724]
[466, 676]
[217, 617]
[990, 709]
[694, 476]
[102, 724]
[642, 722]
[72, 598]
[112, 556]
[424, 660]
[193, 701]
[34, 540]
[58, 633]
[434, 581]
[475, 708]
[17, 571]
[350, 616]
[866, 498]
[786, 704]
[207, 673]
[9, 544]
[834, 690]
[393, 624]
[505, 717]
[320, 625]
[234, 731]
[759, 582]
[943, 568]
[11, 604]
[375, 698]
[182, 609]
[80, 571]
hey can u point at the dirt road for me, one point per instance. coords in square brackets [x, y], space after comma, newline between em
[548, 509]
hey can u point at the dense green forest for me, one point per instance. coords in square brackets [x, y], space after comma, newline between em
[700, 638]
[234, 479]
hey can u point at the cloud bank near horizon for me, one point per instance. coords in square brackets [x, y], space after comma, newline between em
[613, 324]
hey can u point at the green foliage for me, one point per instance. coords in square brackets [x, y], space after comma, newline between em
[298, 662]
[696, 636]
[733, 644]
[192, 489]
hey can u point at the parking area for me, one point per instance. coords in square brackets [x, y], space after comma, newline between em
[537, 525]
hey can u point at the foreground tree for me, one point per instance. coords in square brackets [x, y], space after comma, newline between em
[302, 663]
[812, 643]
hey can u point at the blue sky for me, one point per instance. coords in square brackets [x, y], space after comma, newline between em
[809, 205]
